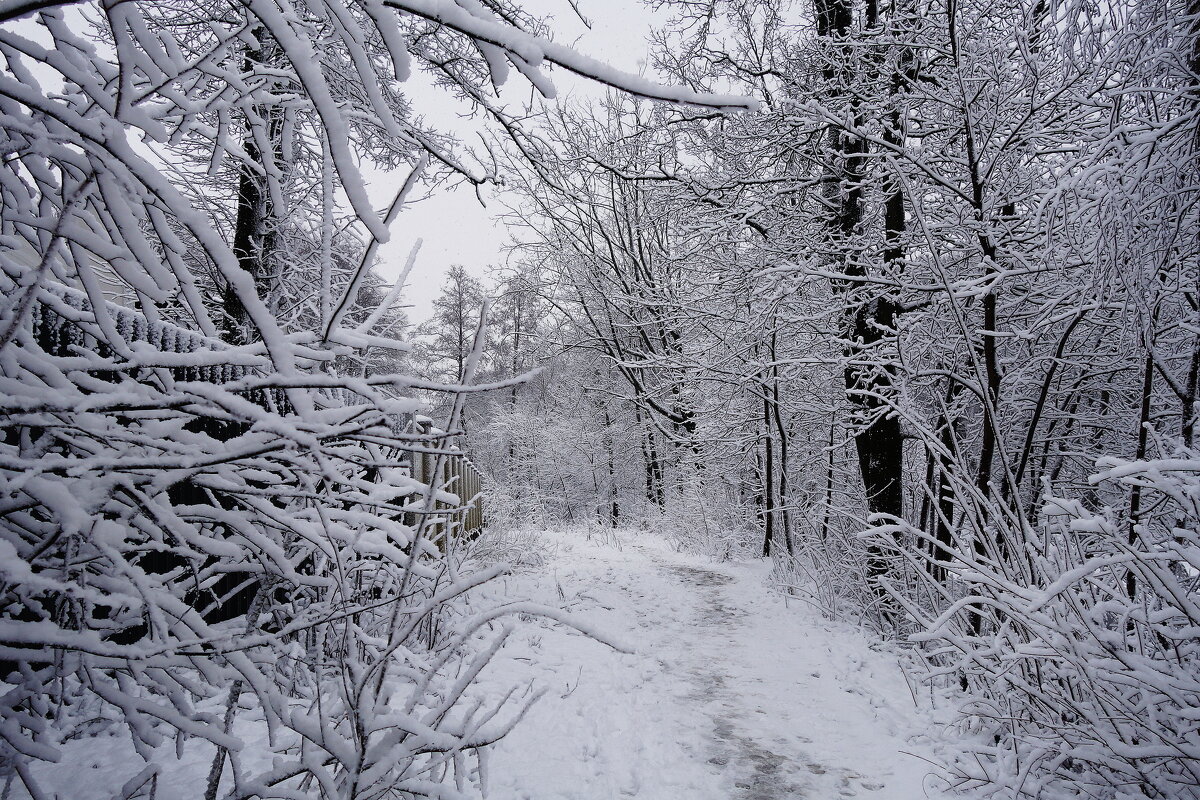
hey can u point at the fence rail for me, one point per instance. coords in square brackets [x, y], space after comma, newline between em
[456, 474]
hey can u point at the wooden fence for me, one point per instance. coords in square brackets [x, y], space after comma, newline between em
[456, 474]
[63, 325]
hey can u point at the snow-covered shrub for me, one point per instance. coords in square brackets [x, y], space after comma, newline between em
[173, 552]
[1083, 651]
[830, 573]
[556, 465]
[702, 516]
[206, 538]
[519, 547]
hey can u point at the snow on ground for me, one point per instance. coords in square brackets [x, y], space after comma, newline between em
[728, 693]
[731, 693]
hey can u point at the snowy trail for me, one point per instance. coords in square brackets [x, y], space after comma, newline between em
[729, 695]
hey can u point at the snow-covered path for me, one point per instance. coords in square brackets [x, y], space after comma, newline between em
[729, 693]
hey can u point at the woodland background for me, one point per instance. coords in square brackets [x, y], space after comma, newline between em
[902, 295]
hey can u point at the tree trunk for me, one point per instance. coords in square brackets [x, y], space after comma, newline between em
[768, 482]
[1135, 495]
[255, 240]
[869, 320]
[653, 466]
[781, 431]
[614, 507]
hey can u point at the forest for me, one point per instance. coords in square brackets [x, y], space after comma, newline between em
[849, 347]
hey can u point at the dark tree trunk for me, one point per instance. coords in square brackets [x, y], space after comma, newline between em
[828, 486]
[938, 493]
[255, 240]
[1135, 495]
[614, 507]
[768, 482]
[869, 320]
[780, 431]
[653, 465]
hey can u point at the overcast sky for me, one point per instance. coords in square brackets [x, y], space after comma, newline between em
[454, 227]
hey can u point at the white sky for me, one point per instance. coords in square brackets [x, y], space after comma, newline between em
[454, 228]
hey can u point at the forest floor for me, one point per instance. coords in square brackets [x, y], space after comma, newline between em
[732, 692]
[729, 691]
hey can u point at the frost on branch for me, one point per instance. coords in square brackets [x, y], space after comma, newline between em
[210, 533]
[207, 535]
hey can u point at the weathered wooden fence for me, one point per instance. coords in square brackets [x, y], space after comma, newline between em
[454, 472]
[64, 325]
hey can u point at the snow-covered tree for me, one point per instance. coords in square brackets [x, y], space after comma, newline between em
[445, 341]
[209, 537]
[947, 269]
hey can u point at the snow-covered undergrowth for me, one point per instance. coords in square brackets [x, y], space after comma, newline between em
[216, 577]
[730, 690]
[707, 523]
[211, 596]
[1081, 649]
[377, 724]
